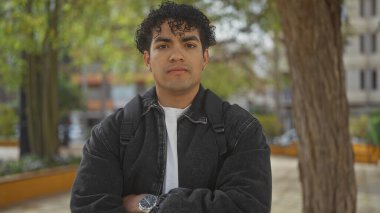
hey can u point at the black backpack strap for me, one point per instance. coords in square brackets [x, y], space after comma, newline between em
[130, 122]
[214, 112]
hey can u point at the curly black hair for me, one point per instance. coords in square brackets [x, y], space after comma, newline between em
[181, 18]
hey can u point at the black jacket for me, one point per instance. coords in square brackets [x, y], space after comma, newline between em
[241, 184]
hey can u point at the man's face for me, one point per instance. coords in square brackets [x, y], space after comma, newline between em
[176, 61]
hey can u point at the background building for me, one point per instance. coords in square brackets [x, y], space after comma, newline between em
[103, 93]
[362, 55]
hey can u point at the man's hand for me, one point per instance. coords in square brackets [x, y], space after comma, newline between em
[131, 203]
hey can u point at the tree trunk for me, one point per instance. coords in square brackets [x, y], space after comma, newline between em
[312, 31]
[41, 88]
[24, 142]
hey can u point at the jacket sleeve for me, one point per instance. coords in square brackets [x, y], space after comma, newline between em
[97, 186]
[244, 183]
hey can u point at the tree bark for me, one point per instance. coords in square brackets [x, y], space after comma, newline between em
[312, 31]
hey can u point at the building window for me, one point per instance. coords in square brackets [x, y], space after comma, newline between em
[374, 79]
[368, 79]
[362, 43]
[374, 7]
[374, 42]
[361, 8]
[362, 79]
[368, 8]
[368, 43]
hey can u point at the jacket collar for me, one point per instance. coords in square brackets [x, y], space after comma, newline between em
[195, 113]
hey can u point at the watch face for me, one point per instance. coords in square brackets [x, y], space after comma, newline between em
[147, 203]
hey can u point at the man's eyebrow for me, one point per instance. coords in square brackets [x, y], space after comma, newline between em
[161, 39]
[189, 38]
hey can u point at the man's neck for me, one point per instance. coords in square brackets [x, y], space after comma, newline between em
[180, 99]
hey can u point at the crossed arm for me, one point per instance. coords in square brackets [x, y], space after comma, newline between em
[243, 184]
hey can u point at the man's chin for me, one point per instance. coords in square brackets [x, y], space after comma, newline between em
[179, 87]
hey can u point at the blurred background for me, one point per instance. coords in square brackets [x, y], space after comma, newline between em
[65, 65]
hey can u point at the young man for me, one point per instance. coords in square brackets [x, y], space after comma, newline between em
[178, 148]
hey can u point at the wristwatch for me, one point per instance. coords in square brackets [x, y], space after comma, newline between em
[147, 203]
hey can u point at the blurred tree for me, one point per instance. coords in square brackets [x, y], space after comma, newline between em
[312, 31]
[254, 21]
[40, 76]
[30, 30]
[217, 73]
[37, 34]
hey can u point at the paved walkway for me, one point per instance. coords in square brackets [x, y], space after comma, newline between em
[287, 195]
[9, 153]
[286, 191]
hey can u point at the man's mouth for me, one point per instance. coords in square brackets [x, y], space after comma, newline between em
[179, 69]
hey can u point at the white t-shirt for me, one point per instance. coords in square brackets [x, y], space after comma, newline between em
[171, 175]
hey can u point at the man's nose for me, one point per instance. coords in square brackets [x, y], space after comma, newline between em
[176, 55]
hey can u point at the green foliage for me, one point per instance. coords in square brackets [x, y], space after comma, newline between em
[28, 163]
[97, 31]
[359, 126]
[269, 19]
[262, 13]
[272, 125]
[223, 79]
[10, 44]
[8, 121]
[374, 127]
[366, 127]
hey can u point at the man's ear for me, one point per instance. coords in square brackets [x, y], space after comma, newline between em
[147, 59]
[205, 58]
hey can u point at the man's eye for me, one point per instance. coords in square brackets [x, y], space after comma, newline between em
[162, 46]
[190, 45]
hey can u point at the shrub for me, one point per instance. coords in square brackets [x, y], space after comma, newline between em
[8, 121]
[374, 127]
[359, 126]
[33, 163]
[366, 127]
[272, 125]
